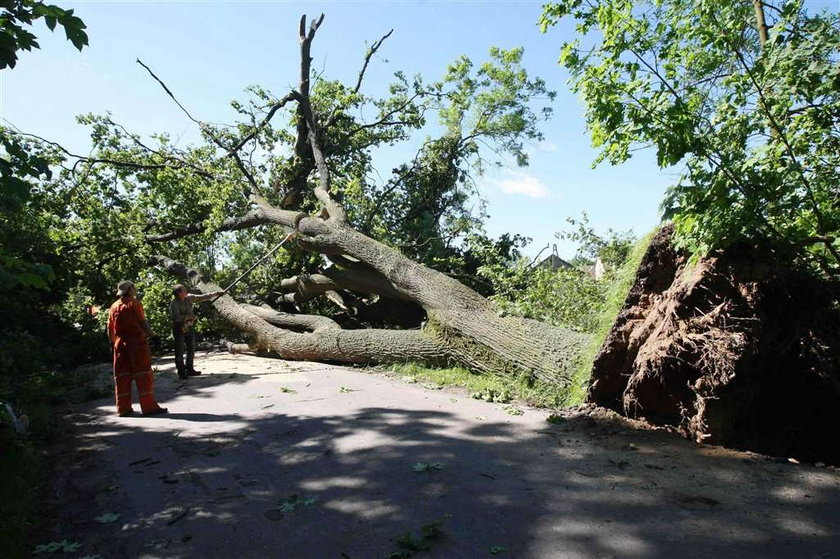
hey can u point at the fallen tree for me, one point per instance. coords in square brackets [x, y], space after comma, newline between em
[461, 326]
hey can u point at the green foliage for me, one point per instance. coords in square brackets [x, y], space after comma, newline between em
[15, 37]
[753, 126]
[45, 276]
[564, 297]
[532, 393]
[428, 202]
[64, 546]
[489, 394]
[20, 474]
[409, 544]
[424, 467]
[612, 248]
[34, 277]
[570, 297]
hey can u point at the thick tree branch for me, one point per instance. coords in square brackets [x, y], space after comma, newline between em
[305, 287]
[328, 344]
[322, 190]
[361, 278]
[761, 22]
[251, 219]
[307, 322]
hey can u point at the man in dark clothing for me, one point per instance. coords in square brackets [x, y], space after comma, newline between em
[183, 318]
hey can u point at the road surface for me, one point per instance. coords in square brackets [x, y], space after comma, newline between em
[265, 458]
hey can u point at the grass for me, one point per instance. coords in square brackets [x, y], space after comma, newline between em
[21, 472]
[620, 286]
[485, 387]
[22, 467]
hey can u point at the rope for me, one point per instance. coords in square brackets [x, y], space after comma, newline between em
[251, 269]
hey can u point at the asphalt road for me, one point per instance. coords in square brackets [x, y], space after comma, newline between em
[266, 458]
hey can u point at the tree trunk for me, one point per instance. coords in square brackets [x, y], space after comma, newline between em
[462, 329]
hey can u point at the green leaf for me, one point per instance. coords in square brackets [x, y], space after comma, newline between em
[293, 502]
[64, 546]
[512, 410]
[51, 547]
[70, 547]
[555, 418]
[107, 518]
[421, 467]
[29, 279]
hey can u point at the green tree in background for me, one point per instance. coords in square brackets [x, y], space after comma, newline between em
[21, 165]
[572, 297]
[744, 96]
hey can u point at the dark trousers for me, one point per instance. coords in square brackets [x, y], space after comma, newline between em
[184, 344]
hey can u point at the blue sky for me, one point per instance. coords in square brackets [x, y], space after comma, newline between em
[208, 52]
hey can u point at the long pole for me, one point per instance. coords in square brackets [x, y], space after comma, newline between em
[249, 270]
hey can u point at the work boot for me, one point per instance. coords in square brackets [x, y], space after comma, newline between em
[194, 373]
[158, 411]
[183, 375]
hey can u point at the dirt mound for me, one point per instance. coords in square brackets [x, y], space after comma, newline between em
[735, 349]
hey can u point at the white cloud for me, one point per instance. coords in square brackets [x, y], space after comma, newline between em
[547, 146]
[521, 183]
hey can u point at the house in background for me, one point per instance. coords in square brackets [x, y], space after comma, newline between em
[595, 271]
[554, 262]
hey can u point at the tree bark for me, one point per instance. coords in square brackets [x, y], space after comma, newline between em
[325, 342]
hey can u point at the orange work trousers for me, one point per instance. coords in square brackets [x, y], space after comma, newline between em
[145, 389]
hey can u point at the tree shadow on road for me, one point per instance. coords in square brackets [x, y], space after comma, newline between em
[331, 485]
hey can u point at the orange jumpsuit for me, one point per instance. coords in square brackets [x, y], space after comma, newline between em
[132, 358]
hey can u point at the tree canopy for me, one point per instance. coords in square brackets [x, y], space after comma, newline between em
[133, 195]
[743, 96]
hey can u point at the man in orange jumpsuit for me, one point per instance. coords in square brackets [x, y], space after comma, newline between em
[129, 331]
